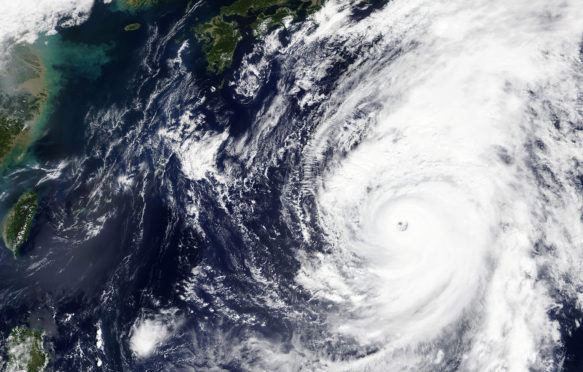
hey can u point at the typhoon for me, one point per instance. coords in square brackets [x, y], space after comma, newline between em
[441, 177]
[299, 186]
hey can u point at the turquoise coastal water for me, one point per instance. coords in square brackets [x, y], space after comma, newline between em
[64, 62]
[67, 61]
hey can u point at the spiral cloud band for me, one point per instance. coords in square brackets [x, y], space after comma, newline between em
[432, 189]
[383, 185]
[453, 208]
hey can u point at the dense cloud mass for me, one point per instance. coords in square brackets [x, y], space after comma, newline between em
[441, 173]
[23, 21]
[379, 187]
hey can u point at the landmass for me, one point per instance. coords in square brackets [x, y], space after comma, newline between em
[17, 223]
[22, 95]
[137, 4]
[220, 38]
[132, 27]
[264, 23]
[25, 350]
[222, 33]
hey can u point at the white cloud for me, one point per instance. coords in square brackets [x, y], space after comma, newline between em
[22, 21]
[433, 125]
[147, 335]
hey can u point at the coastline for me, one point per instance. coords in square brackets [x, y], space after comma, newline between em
[25, 93]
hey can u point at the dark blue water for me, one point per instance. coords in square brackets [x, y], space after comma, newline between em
[67, 280]
[104, 253]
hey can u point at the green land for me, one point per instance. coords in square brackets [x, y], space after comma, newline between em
[25, 350]
[137, 4]
[132, 27]
[28, 84]
[221, 35]
[23, 93]
[17, 223]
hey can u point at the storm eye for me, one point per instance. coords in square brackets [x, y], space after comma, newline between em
[402, 225]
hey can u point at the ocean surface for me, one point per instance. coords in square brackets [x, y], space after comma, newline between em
[381, 187]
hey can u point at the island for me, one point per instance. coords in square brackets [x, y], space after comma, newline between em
[132, 27]
[137, 4]
[25, 350]
[222, 33]
[220, 38]
[17, 223]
